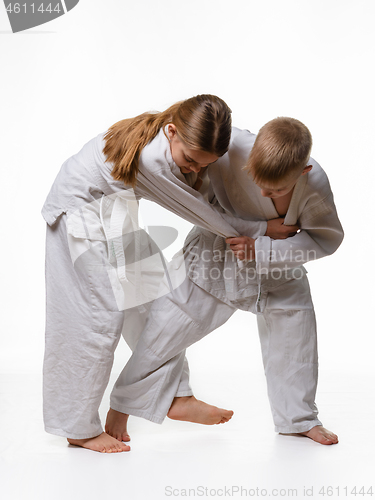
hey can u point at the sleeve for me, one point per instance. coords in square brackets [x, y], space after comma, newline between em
[171, 193]
[321, 234]
[253, 229]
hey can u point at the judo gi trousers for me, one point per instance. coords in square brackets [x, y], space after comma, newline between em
[287, 331]
[83, 328]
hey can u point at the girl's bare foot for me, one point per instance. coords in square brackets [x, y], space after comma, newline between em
[116, 425]
[319, 434]
[190, 409]
[102, 443]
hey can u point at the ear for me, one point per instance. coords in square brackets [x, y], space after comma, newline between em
[172, 131]
[306, 169]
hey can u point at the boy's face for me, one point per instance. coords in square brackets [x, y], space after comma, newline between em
[283, 188]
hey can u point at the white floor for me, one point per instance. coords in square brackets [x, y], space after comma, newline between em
[243, 458]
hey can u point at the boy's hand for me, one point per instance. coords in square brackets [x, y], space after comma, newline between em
[277, 231]
[243, 247]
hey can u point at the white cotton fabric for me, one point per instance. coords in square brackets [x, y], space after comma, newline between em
[83, 327]
[274, 287]
[102, 272]
[277, 261]
[287, 330]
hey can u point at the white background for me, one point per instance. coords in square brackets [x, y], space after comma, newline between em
[64, 82]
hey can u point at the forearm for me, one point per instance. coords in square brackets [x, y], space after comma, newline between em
[320, 235]
[283, 255]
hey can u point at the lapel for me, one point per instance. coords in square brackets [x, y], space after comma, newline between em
[267, 206]
[291, 217]
[292, 214]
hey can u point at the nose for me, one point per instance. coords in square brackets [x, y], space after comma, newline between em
[196, 168]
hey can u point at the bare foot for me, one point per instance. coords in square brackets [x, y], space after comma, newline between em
[190, 409]
[116, 425]
[319, 434]
[102, 443]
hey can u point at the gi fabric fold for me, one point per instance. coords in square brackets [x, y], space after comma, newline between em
[134, 263]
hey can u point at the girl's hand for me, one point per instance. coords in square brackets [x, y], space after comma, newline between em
[243, 247]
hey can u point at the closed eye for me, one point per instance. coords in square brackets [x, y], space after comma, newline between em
[189, 160]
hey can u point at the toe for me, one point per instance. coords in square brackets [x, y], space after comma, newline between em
[331, 437]
[328, 440]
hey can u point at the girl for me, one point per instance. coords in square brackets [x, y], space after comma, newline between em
[91, 215]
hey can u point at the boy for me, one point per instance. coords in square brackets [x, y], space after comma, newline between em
[279, 180]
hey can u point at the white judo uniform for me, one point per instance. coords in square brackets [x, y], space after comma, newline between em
[103, 271]
[274, 286]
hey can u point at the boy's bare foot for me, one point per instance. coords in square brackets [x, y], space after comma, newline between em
[116, 425]
[102, 443]
[319, 434]
[190, 409]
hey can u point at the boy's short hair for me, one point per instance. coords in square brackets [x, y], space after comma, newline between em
[281, 150]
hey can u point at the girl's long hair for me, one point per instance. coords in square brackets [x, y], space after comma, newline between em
[203, 123]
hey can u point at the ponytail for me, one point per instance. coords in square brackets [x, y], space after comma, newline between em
[126, 139]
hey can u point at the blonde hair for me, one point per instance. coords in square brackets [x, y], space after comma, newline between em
[281, 150]
[203, 123]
